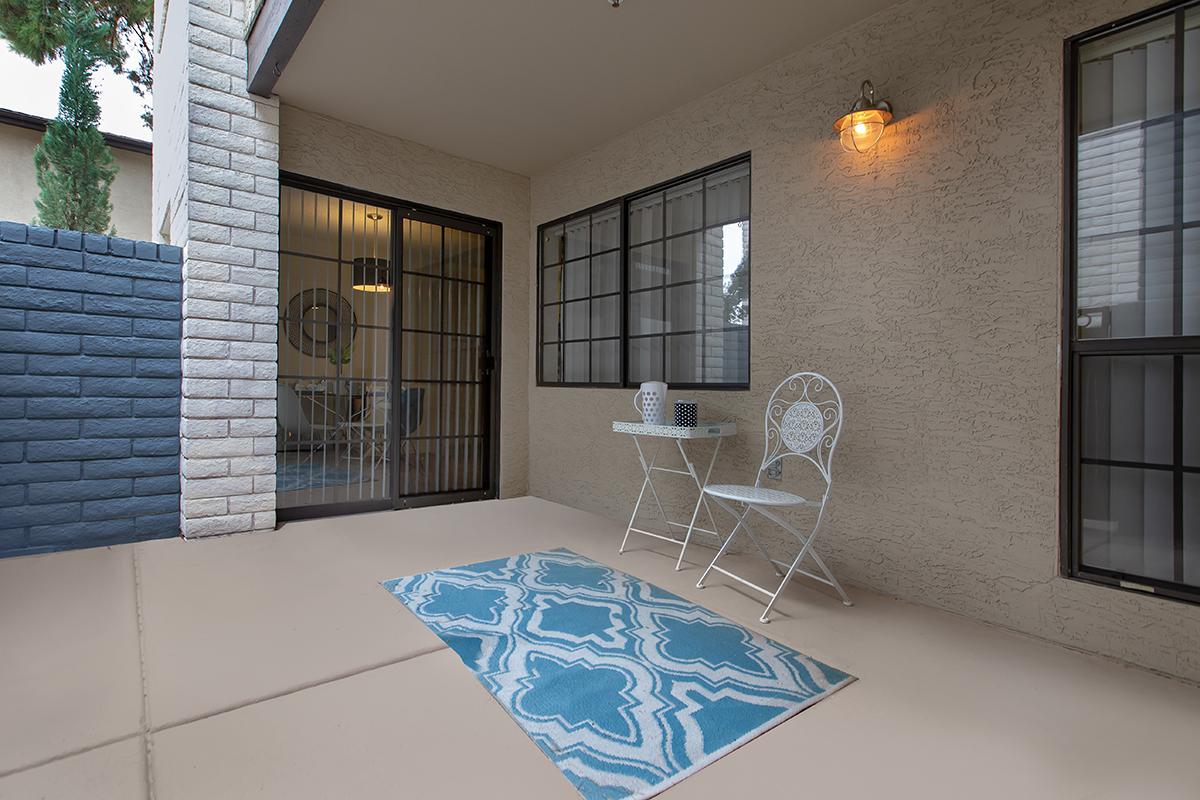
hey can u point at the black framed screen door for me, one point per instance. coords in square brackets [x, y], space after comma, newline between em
[445, 359]
[387, 386]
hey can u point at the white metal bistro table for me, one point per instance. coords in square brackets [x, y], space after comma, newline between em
[680, 434]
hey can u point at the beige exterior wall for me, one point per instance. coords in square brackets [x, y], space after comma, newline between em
[924, 279]
[322, 147]
[130, 190]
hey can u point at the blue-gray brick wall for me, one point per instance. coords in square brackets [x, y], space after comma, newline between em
[89, 389]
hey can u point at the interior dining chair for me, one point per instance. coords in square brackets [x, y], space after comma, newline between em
[804, 420]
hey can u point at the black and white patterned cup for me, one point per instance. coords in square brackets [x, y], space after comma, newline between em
[685, 413]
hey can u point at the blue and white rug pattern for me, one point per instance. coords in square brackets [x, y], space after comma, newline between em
[626, 687]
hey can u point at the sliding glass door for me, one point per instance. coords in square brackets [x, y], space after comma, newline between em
[444, 359]
[386, 380]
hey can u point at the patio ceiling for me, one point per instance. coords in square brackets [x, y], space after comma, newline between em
[525, 85]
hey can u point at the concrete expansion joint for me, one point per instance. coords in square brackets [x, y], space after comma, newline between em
[141, 629]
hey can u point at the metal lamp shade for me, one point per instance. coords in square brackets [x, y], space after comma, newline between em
[372, 275]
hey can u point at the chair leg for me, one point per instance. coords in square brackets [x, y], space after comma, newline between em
[763, 550]
[828, 574]
[791, 571]
[724, 546]
[805, 549]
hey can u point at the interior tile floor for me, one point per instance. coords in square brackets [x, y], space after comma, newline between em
[273, 665]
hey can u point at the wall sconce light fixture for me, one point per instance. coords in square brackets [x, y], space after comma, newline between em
[372, 274]
[860, 129]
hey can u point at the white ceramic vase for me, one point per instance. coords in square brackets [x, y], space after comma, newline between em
[653, 405]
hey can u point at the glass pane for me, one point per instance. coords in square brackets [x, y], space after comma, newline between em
[606, 367]
[422, 247]
[1125, 286]
[606, 276]
[1191, 419]
[1128, 76]
[552, 244]
[727, 254]
[725, 304]
[422, 308]
[645, 219]
[551, 372]
[1127, 520]
[578, 237]
[683, 358]
[646, 266]
[575, 317]
[464, 307]
[1191, 528]
[1126, 406]
[462, 355]
[1191, 281]
[1110, 182]
[646, 312]
[685, 308]
[302, 280]
[1158, 178]
[727, 357]
[728, 197]
[685, 207]
[645, 359]
[606, 229]
[1191, 60]
[372, 304]
[606, 317]
[552, 323]
[308, 222]
[684, 258]
[368, 355]
[1191, 169]
[577, 277]
[366, 231]
[575, 362]
[466, 255]
[552, 284]
[421, 357]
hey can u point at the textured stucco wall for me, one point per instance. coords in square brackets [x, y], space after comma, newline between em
[130, 193]
[924, 279]
[329, 149]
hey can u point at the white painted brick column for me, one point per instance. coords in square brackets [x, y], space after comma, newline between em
[228, 224]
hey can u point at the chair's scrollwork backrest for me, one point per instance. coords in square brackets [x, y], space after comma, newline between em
[804, 418]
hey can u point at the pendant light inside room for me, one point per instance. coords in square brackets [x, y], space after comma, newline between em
[372, 274]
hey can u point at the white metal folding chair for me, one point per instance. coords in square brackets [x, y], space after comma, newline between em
[804, 419]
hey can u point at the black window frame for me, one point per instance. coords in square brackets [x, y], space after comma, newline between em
[1073, 349]
[623, 203]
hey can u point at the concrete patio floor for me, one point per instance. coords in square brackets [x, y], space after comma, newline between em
[273, 665]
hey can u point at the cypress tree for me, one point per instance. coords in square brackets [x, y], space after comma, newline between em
[75, 168]
[35, 29]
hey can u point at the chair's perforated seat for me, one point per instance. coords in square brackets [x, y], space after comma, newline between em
[756, 494]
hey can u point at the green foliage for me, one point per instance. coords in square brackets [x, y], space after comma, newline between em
[737, 296]
[37, 29]
[75, 168]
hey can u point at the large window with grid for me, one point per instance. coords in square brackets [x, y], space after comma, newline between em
[1132, 334]
[653, 286]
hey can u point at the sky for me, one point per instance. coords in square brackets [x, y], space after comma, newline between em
[34, 90]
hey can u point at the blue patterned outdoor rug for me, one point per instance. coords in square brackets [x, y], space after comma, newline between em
[626, 687]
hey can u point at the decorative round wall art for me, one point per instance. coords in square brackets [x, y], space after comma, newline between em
[320, 322]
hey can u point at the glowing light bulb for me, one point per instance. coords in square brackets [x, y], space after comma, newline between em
[860, 129]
